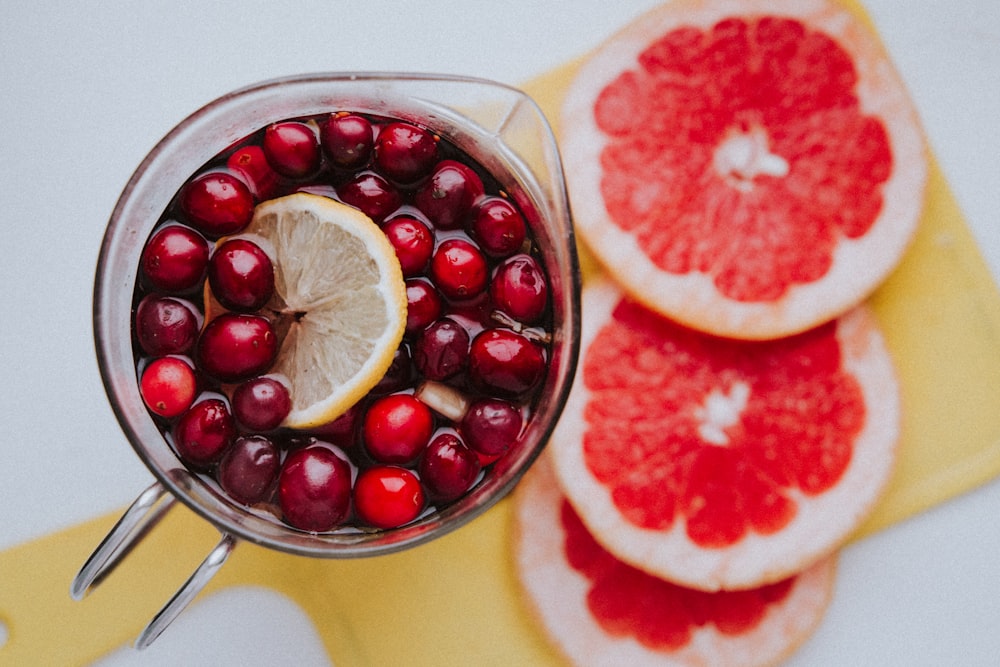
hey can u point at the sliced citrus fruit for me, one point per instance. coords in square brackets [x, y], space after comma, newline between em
[718, 463]
[750, 169]
[598, 610]
[339, 302]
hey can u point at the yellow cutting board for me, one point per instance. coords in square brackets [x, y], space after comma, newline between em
[455, 601]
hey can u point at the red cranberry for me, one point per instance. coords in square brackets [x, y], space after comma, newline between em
[168, 386]
[449, 194]
[396, 428]
[250, 165]
[519, 289]
[348, 140]
[448, 468]
[314, 488]
[399, 375]
[387, 496]
[442, 350]
[491, 426]
[292, 148]
[241, 275]
[165, 325]
[203, 433]
[459, 269]
[175, 259]
[261, 404]
[249, 469]
[341, 431]
[413, 242]
[504, 362]
[371, 194]
[235, 347]
[405, 152]
[498, 227]
[423, 305]
[217, 203]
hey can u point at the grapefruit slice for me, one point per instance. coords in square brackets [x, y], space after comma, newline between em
[600, 611]
[750, 169]
[724, 464]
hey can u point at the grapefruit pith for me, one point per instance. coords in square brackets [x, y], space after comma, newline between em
[750, 169]
[724, 464]
[600, 611]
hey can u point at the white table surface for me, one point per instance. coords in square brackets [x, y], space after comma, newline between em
[86, 89]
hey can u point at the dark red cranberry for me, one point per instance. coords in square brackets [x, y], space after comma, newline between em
[341, 430]
[423, 305]
[165, 325]
[292, 148]
[504, 362]
[399, 375]
[396, 428]
[413, 242]
[519, 289]
[442, 350]
[405, 152]
[250, 165]
[498, 227]
[388, 496]
[168, 386]
[314, 488]
[449, 194]
[261, 404]
[448, 468]
[235, 347]
[348, 140]
[371, 194]
[459, 269]
[241, 275]
[175, 259]
[249, 469]
[491, 426]
[217, 203]
[203, 433]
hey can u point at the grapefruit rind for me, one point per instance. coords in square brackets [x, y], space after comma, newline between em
[822, 522]
[859, 265]
[556, 594]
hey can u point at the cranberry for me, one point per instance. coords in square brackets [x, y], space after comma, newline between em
[292, 148]
[165, 325]
[491, 426]
[250, 165]
[341, 430]
[348, 140]
[498, 227]
[505, 362]
[314, 488]
[261, 404]
[388, 496]
[405, 152]
[175, 259]
[241, 275]
[449, 194]
[235, 347]
[217, 203]
[371, 194]
[399, 375]
[396, 428]
[442, 350]
[423, 305]
[249, 469]
[204, 432]
[448, 468]
[519, 289]
[412, 241]
[168, 386]
[459, 269]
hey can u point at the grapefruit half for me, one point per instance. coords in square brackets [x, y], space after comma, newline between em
[600, 611]
[749, 168]
[718, 463]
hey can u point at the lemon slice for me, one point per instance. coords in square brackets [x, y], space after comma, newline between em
[339, 302]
